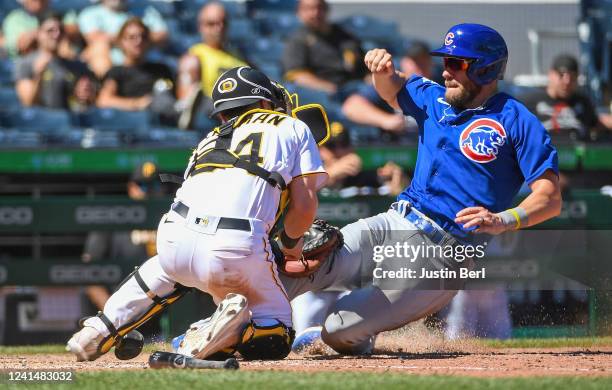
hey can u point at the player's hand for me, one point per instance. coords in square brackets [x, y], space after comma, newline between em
[379, 61]
[481, 218]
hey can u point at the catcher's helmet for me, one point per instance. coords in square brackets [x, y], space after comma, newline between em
[241, 86]
[481, 44]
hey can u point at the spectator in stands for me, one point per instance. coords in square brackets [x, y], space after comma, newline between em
[564, 111]
[134, 85]
[100, 25]
[206, 61]
[135, 245]
[344, 167]
[20, 28]
[46, 78]
[367, 108]
[320, 54]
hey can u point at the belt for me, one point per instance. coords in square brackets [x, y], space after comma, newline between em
[435, 233]
[224, 222]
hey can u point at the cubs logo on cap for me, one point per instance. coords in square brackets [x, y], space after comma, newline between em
[227, 85]
[480, 140]
[448, 39]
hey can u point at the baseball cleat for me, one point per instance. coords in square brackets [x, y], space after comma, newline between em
[221, 330]
[84, 344]
[306, 338]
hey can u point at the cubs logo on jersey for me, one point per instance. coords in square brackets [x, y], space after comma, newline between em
[481, 140]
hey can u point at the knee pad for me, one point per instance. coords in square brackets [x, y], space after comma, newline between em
[266, 342]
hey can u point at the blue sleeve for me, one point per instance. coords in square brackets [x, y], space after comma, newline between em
[534, 150]
[415, 94]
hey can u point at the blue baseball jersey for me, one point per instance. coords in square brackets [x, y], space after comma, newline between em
[474, 157]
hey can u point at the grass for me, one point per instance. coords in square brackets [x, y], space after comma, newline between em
[269, 380]
[561, 342]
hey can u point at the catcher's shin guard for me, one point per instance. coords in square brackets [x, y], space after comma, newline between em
[266, 342]
[157, 306]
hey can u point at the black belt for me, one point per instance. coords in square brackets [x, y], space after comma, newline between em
[224, 223]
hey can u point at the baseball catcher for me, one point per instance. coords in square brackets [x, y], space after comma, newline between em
[260, 164]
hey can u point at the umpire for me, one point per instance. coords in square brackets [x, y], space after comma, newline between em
[476, 147]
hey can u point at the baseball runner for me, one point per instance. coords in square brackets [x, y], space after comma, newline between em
[476, 148]
[216, 235]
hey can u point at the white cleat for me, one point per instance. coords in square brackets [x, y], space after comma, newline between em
[221, 330]
[84, 344]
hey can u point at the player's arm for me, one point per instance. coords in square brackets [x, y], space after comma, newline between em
[543, 203]
[385, 78]
[301, 212]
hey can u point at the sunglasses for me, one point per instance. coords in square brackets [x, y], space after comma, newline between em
[456, 64]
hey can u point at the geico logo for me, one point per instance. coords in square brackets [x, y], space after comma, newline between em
[3, 275]
[575, 209]
[343, 211]
[513, 269]
[110, 214]
[16, 215]
[85, 274]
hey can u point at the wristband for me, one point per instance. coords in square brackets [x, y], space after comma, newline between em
[514, 218]
[287, 241]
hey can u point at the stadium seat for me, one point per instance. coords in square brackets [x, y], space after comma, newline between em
[8, 99]
[277, 23]
[17, 138]
[166, 137]
[272, 69]
[263, 6]
[366, 27]
[8, 5]
[108, 119]
[180, 43]
[38, 119]
[100, 139]
[241, 29]
[270, 49]
[6, 72]
[63, 6]
[308, 95]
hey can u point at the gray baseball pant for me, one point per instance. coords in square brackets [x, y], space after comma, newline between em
[353, 321]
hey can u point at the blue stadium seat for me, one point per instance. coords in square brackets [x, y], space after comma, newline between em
[203, 124]
[277, 23]
[63, 6]
[6, 72]
[108, 119]
[180, 43]
[271, 5]
[8, 99]
[101, 139]
[271, 69]
[308, 95]
[241, 29]
[9, 5]
[17, 138]
[366, 27]
[166, 137]
[270, 49]
[38, 119]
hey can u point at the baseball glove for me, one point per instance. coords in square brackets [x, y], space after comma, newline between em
[320, 240]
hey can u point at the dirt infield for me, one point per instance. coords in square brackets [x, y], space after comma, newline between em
[411, 354]
[498, 363]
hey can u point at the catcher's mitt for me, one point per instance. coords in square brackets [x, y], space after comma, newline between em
[319, 241]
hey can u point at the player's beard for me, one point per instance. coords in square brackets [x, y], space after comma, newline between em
[460, 97]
